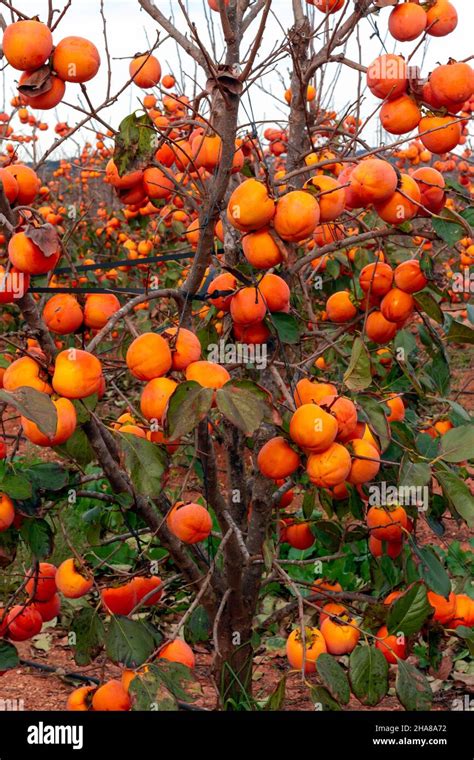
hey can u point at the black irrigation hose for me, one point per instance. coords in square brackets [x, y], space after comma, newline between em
[91, 679]
[124, 263]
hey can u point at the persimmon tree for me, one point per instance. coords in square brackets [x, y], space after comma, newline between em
[237, 342]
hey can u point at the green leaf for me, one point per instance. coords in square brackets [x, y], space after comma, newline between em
[197, 627]
[309, 500]
[464, 633]
[457, 444]
[460, 333]
[77, 448]
[128, 642]
[373, 412]
[457, 494]
[368, 675]
[189, 404]
[133, 143]
[286, 326]
[321, 696]
[8, 656]
[412, 687]
[145, 463]
[38, 536]
[431, 570]
[409, 612]
[242, 406]
[449, 231]
[277, 698]
[414, 474]
[161, 686]
[334, 678]
[48, 476]
[17, 486]
[358, 375]
[35, 406]
[89, 635]
[427, 303]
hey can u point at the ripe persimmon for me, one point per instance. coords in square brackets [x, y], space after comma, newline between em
[379, 329]
[407, 21]
[149, 356]
[305, 658]
[157, 184]
[7, 512]
[28, 257]
[387, 523]
[376, 278]
[80, 699]
[340, 307]
[363, 469]
[276, 459]
[442, 18]
[387, 76]
[49, 609]
[297, 534]
[341, 634]
[46, 100]
[23, 623]
[119, 600]
[76, 59]
[373, 180]
[247, 306]
[222, 283]
[27, 45]
[178, 651]
[403, 205]
[330, 467]
[77, 374]
[296, 216]
[148, 590]
[439, 134]
[41, 585]
[63, 314]
[261, 250]
[275, 292]
[432, 188]
[409, 277]
[397, 305]
[308, 391]
[71, 581]
[111, 697]
[463, 612]
[345, 412]
[145, 70]
[452, 82]
[25, 372]
[191, 522]
[312, 428]
[185, 346]
[390, 646]
[65, 426]
[400, 115]
[330, 195]
[207, 374]
[99, 308]
[28, 183]
[155, 397]
[392, 549]
[397, 408]
[250, 207]
[444, 609]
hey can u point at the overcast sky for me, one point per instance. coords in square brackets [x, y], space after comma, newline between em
[131, 30]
